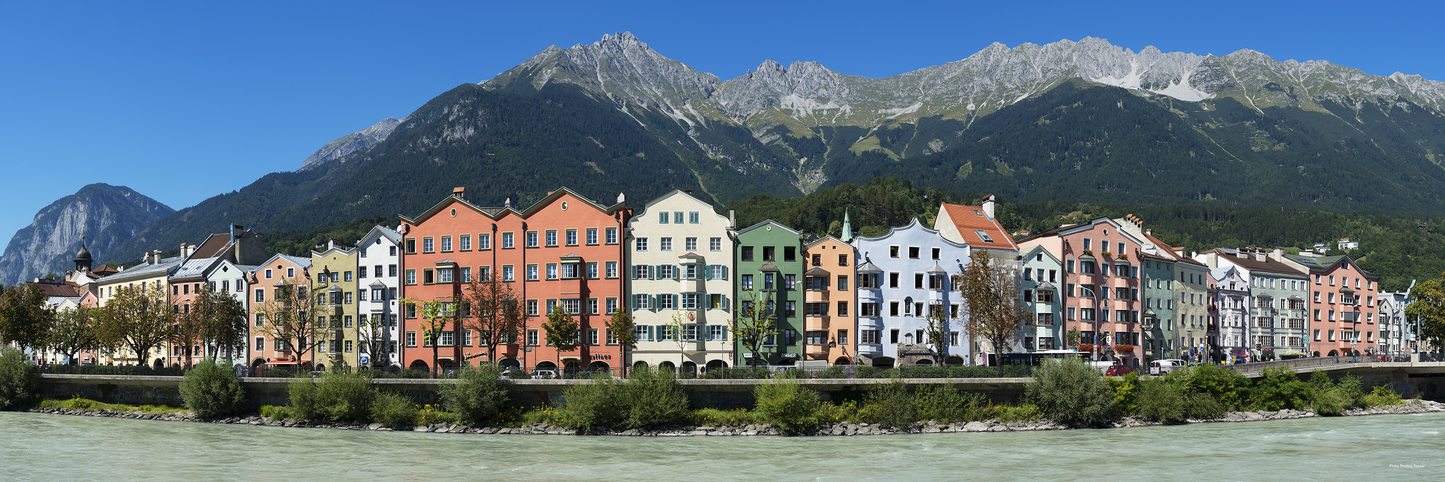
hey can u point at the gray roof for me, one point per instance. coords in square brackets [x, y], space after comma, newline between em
[144, 270]
[193, 268]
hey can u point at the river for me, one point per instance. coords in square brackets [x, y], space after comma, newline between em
[1382, 447]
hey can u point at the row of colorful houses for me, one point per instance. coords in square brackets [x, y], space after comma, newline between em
[684, 273]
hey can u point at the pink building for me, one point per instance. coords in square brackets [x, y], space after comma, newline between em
[1100, 290]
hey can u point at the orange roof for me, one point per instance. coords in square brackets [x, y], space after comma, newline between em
[971, 219]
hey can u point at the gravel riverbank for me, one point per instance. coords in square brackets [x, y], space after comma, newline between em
[834, 429]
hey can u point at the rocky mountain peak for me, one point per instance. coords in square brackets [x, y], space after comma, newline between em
[353, 142]
[106, 215]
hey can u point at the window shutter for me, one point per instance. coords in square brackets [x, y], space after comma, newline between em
[633, 300]
[724, 302]
[678, 273]
[674, 302]
[651, 332]
[725, 334]
[707, 272]
[725, 272]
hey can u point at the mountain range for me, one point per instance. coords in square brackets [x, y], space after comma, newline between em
[1083, 121]
[98, 216]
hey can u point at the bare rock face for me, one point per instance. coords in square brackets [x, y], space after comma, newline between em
[106, 215]
[353, 142]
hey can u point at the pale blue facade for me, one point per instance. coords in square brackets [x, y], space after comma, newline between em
[1039, 279]
[905, 275]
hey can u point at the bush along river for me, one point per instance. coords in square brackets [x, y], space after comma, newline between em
[36, 446]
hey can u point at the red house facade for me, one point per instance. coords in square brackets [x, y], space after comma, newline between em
[562, 253]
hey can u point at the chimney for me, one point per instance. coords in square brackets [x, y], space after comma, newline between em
[186, 250]
[988, 205]
[1242, 253]
[733, 218]
[1277, 254]
[459, 192]
[1259, 255]
[1212, 259]
[1149, 232]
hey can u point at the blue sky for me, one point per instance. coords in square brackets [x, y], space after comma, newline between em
[185, 100]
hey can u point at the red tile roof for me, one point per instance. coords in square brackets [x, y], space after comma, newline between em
[970, 219]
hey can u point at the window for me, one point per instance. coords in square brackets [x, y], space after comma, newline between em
[509, 273]
[571, 237]
[768, 253]
[428, 245]
[790, 253]
[484, 241]
[892, 251]
[746, 282]
[391, 270]
[411, 276]
[444, 275]
[465, 242]
[663, 217]
[508, 241]
[551, 237]
[913, 252]
[611, 269]
[665, 243]
[937, 252]
[591, 270]
[427, 276]
[551, 271]
[983, 235]
[640, 244]
[689, 244]
[790, 281]
[591, 236]
[746, 254]
[531, 272]
[611, 235]
[714, 244]
[693, 217]
[411, 338]
[531, 239]
[677, 217]
[260, 343]
[869, 337]
[446, 244]
[465, 275]
[532, 336]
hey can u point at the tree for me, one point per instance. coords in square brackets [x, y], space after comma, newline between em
[1429, 311]
[185, 333]
[992, 304]
[24, 317]
[680, 321]
[754, 323]
[562, 331]
[137, 318]
[434, 317]
[494, 312]
[935, 331]
[624, 331]
[222, 320]
[286, 317]
[74, 330]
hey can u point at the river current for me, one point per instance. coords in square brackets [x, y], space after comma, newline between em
[1382, 447]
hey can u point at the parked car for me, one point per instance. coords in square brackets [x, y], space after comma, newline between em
[544, 374]
[1119, 370]
[1160, 367]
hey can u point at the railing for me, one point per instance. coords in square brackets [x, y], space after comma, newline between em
[1298, 363]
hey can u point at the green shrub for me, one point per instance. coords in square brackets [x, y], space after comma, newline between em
[889, 404]
[275, 412]
[19, 380]
[1071, 393]
[943, 403]
[211, 390]
[1158, 400]
[1126, 391]
[1228, 388]
[1381, 396]
[652, 398]
[592, 405]
[478, 394]
[337, 397]
[1278, 389]
[276, 373]
[786, 404]
[712, 417]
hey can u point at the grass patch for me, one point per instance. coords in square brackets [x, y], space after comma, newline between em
[77, 403]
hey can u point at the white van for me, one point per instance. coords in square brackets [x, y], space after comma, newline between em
[1160, 367]
[1102, 365]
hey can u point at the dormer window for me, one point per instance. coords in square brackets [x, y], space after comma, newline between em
[983, 235]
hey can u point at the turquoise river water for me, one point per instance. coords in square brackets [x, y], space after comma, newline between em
[1382, 447]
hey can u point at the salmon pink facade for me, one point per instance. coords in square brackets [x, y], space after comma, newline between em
[561, 253]
[1101, 285]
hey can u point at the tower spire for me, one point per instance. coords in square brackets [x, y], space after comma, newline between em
[847, 228]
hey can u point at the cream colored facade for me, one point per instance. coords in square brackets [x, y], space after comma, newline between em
[152, 274]
[678, 290]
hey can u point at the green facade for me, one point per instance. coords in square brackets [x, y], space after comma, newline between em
[1159, 306]
[769, 268]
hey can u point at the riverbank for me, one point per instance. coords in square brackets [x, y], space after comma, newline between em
[833, 429]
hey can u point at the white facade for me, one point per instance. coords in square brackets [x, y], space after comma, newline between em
[1396, 334]
[378, 284]
[230, 278]
[1231, 301]
[680, 258]
[904, 277]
